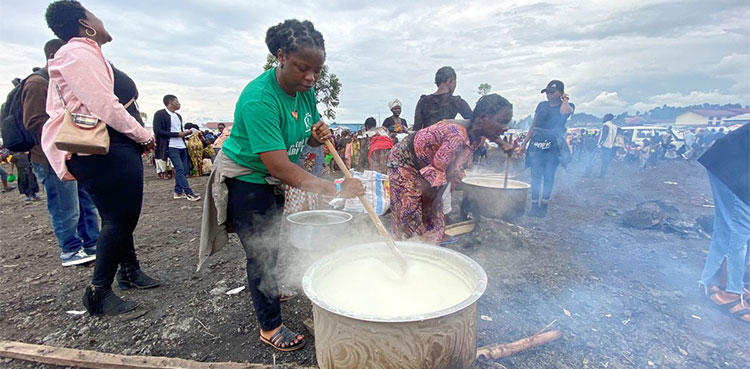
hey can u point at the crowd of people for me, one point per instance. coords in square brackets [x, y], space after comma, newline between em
[671, 144]
[276, 146]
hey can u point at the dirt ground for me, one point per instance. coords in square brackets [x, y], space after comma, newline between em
[624, 297]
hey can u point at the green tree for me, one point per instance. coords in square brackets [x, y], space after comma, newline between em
[484, 89]
[327, 87]
[144, 116]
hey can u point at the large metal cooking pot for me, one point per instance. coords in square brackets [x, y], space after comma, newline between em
[486, 196]
[316, 229]
[444, 339]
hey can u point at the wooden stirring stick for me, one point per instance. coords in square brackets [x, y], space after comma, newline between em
[370, 211]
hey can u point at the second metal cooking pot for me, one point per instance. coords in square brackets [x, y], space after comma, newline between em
[314, 229]
[487, 197]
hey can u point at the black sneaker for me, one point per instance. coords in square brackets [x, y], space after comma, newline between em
[102, 301]
[192, 197]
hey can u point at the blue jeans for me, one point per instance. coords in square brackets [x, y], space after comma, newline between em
[179, 159]
[74, 217]
[729, 241]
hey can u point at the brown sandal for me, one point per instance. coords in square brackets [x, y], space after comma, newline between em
[727, 308]
[283, 340]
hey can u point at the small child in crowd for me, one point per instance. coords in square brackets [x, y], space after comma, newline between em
[27, 183]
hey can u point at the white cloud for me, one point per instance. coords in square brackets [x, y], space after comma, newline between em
[611, 54]
[605, 102]
[691, 98]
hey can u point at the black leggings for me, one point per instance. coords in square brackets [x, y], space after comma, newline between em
[543, 167]
[254, 211]
[115, 183]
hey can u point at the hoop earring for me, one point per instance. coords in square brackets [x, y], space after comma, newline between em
[89, 34]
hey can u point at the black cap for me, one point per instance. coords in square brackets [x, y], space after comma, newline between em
[554, 85]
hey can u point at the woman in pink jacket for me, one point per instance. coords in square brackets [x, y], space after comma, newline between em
[91, 86]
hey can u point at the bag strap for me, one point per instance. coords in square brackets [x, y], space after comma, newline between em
[59, 94]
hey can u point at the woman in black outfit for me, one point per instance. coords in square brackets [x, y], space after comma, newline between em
[441, 104]
[114, 180]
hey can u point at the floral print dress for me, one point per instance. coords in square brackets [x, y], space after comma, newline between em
[442, 152]
[195, 153]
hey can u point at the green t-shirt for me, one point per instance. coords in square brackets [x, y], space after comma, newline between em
[267, 119]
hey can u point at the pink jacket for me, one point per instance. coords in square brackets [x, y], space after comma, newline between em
[86, 81]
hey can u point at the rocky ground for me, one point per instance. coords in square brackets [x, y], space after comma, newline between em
[624, 297]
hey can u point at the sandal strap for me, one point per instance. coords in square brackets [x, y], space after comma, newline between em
[284, 335]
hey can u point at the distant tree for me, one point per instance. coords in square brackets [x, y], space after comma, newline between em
[484, 89]
[271, 62]
[144, 116]
[327, 87]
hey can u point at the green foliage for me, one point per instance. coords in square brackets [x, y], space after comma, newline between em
[484, 89]
[271, 62]
[327, 88]
[327, 92]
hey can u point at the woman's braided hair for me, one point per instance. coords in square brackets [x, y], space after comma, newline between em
[292, 36]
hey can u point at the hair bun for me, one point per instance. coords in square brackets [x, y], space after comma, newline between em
[292, 35]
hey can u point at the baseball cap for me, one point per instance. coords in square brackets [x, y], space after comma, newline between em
[554, 85]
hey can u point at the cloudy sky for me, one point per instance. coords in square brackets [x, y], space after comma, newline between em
[613, 55]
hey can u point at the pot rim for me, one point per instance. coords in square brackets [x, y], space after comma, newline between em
[478, 271]
[522, 185]
[291, 218]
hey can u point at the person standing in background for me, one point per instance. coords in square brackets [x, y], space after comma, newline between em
[194, 143]
[27, 183]
[394, 123]
[547, 146]
[74, 218]
[441, 104]
[171, 144]
[606, 142]
[375, 147]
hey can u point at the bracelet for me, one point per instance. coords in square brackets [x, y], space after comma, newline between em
[150, 140]
[338, 188]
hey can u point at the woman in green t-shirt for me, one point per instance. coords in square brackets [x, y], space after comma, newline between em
[275, 117]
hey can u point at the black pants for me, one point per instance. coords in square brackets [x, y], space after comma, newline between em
[254, 212]
[543, 167]
[115, 184]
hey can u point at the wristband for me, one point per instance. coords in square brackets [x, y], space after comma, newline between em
[338, 188]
